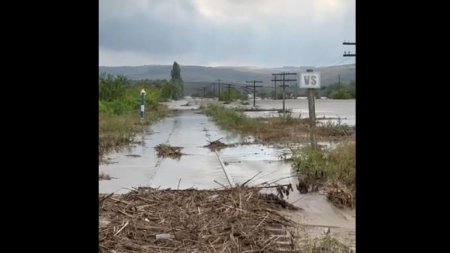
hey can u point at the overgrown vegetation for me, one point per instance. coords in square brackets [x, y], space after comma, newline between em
[119, 105]
[116, 131]
[229, 119]
[279, 129]
[335, 168]
[232, 95]
[316, 167]
[341, 91]
[334, 128]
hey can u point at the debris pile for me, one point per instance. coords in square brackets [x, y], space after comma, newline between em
[133, 155]
[231, 220]
[216, 145]
[165, 150]
[283, 190]
[341, 198]
[104, 176]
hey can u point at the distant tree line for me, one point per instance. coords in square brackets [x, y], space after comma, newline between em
[118, 95]
[333, 91]
[341, 90]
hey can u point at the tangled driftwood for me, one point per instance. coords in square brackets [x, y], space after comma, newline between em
[216, 145]
[341, 197]
[232, 220]
[165, 150]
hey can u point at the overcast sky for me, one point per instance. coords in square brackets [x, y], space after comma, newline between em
[260, 33]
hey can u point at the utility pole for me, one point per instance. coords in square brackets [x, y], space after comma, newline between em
[347, 54]
[296, 91]
[254, 89]
[275, 81]
[228, 87]
[218, 84]
[312, 115]
[204, 92]
[284, 74]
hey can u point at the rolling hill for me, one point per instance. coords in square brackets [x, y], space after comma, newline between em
[197, 77]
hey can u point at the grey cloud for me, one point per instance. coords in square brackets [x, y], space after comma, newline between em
[269, 41]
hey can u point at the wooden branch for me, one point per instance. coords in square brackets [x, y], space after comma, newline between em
[131, 216]
[220, 184]
[126, 224]
[250, 179]
[272, 186]
[119, 200]
[105, 197]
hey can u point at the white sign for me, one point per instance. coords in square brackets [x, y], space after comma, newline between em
[310, 80]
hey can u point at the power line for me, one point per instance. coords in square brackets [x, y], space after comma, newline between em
[284, 74]
[348, 54]
[275, 82]
[229, 87]
[254, 89]
[336, 61]
[343, 60]
[218, 86]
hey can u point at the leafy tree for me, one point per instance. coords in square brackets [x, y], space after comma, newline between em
[340, 91]
[176, 71]
[111, 88]
[234, 94]
[353, 88]
[176, 80]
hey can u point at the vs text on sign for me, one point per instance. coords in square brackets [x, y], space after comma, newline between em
[310, 80]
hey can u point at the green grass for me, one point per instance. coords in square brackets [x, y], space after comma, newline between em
[119, 106]
[337, 166]
[234, 120]
[335, 129]
[315, 167]
[230, 119]
[116, 131]
[341, 165]
[272, 130]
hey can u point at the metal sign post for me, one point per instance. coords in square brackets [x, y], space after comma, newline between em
[311, 81]
[142, 104]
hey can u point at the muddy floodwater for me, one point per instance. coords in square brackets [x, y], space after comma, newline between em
[339, 111]
[200, 168]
